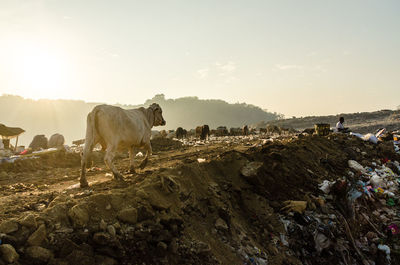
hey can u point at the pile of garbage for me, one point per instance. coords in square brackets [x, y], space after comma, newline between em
[310, 200]
[355, 220]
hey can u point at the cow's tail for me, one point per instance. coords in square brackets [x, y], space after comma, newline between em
[91, 134]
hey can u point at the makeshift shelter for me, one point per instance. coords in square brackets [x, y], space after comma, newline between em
[7, 133]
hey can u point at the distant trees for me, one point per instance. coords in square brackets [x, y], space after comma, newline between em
[68, 117]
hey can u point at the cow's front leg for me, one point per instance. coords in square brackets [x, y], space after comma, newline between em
[131, 157]
[149, 151]
[108, 160]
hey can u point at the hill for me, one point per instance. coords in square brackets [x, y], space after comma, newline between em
[68, 117]
[361, 122]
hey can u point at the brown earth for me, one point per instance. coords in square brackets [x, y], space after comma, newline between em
[178, 210]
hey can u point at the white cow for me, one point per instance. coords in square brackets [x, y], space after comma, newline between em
[117, 129]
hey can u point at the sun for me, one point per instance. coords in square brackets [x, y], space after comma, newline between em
[39, 72]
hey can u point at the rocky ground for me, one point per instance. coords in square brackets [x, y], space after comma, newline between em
[231, 200]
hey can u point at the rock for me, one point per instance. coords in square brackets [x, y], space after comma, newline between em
[142, 194]
[29, 221]
[111, 230]
[101, 238]
[162, 248]
[117, 225]
[8, 226]
[144, 213]
[201, 247]
[128, 215]
[173, 246]
[104, 260]
[37, 253]
[103, 225]
[8, 253]
[117, 201]
[4, 175]
[81, 258]
[221, 225]
[251, 169]
[67, 247]
[58, 213]
[38, 236]
[79, 216]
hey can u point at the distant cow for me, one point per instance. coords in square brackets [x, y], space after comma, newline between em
[273, 129]
[263, 130]
[235, 131]
[163, 134]
[203, 132]
[118, 129]
[180, 133]
[171, 134]
[56, 140]
[245, 130]
[39, 142]
[191, 133]
[221, 131]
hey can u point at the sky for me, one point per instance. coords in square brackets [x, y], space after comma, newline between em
[297, 58]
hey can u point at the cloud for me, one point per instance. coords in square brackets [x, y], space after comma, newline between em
[289, 67]
[203, 73]
[219, 72]
[225, 68]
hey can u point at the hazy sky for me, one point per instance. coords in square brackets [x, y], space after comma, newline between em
[293, 57]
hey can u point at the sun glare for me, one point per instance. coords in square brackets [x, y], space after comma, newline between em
[39, 72]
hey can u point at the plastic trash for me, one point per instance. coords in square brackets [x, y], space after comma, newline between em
[356, 166]
[376, 181]
[201, 160]
[140, 154]
[394, 229]
[390, 202]
[326, 186]
[354, 195]
[368, 137]
[386, 249]
[321, 242]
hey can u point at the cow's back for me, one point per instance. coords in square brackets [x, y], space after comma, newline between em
[120, 127]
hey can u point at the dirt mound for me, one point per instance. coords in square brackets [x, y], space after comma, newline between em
[59, 159]
[226, 210]
[165, 144]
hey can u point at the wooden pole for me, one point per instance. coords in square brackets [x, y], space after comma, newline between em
[16, 144]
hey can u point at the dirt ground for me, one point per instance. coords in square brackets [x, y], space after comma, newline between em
[192, 204]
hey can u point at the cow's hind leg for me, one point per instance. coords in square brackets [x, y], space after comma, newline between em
[148, 153]
[108, 160]
[131, 157]
[84, 159]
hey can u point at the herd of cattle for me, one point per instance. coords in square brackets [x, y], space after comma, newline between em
[204, 132]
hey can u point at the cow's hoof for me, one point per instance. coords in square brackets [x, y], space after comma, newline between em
[84, 184]
[118, 177]
[132, 170]
[143, 164]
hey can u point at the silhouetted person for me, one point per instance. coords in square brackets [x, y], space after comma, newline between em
[340, 127]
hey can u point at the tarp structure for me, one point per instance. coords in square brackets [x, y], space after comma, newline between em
[9, 132]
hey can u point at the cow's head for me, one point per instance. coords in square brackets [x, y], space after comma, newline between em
[157, 112]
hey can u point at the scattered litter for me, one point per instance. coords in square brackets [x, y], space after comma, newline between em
[356, 166]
